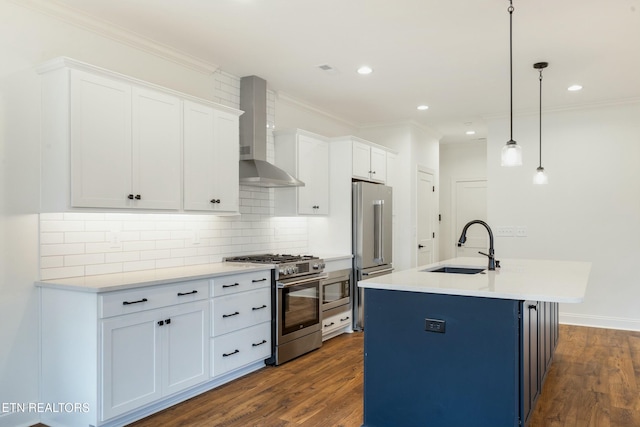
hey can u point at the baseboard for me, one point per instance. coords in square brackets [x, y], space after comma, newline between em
[607, 322]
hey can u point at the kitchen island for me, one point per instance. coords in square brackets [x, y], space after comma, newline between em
[451, 349]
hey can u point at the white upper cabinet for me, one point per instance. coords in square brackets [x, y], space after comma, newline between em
[112, 141]
[211, 159]
[305, 156]
[125, 145]
[369, 162]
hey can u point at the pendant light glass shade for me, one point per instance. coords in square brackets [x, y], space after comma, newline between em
[540, 178]
[511, 155]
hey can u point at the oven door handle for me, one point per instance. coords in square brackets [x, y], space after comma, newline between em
[281, 285]
[374, 273]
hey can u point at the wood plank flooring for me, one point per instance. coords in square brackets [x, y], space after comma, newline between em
[594, 381]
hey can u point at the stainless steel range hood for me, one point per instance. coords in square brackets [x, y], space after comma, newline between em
[254, 168]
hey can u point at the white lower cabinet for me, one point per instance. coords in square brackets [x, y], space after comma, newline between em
[237, 349]
[241, 314]
[152, 354]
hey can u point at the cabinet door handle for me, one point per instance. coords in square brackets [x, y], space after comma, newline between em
[533, 307]
[259, 308]
[130, 197]
[231, 286]
[160, 322]
[230, 354]
[138, 197]
[167, 322]
[260, 343]
[214, 200]
[187, 293]
[259, 280]
[330, 324]
[134, 302]
[230, 315]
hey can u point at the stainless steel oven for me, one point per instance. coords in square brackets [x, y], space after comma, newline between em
[297, 296]
[336, 289]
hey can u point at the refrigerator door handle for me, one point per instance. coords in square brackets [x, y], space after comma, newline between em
[378, 231]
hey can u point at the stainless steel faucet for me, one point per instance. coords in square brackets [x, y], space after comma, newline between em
[493, 263]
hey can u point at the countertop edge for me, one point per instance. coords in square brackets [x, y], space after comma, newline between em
[141, 279]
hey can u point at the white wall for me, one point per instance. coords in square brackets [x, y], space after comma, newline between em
[463, 160]
[416, 146]
[589, 211]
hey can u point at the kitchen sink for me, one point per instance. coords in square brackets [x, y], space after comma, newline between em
[454, 270]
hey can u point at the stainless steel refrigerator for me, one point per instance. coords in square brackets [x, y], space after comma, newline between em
[372, 235]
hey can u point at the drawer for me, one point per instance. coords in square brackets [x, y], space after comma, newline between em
[237, 311]
[335, 321]
[226, 285]
[235, 350]
[150, 297]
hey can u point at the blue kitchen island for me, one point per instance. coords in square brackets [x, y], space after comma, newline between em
[467, 350]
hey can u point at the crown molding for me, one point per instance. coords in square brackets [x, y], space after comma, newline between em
[118, 34]
[291, 100]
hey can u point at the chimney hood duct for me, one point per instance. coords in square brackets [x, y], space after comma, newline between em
[254, 168]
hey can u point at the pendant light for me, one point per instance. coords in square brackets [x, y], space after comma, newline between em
[540, 177]
[511, 152]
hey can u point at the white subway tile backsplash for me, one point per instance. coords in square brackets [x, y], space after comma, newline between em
[119, 257]
[103, 269]
[61, 226]
[56, 273]
[86, 259]
[62, 249]
[138, 265]
[84, 236]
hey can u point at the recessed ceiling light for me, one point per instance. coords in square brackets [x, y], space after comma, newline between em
[470, 132]
[574, 88]
[423, 107]
[364, 70]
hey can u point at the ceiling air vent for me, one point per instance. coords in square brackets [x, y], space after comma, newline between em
[328, 68]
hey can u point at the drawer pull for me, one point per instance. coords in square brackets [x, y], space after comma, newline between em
[134, 302]
[160, 322]
[330, 324]
[264, 279]
[260, 343]
[346, 318]
[259, 308]
[187, 293]
[229, 315]
[230, 354]
[231, 286]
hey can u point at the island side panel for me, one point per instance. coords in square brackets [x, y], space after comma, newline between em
[468, 375]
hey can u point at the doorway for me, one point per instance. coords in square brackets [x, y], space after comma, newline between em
[469, 202]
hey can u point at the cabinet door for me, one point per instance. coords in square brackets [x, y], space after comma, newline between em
[378, 165]
[156, 150]
[313, 170]
[211, 159]
[530, 353]
[100, 137]
[361, 160]
[185, 354]
[130, 362]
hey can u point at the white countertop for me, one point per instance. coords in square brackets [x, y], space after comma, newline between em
[136, 279]
[519, 279]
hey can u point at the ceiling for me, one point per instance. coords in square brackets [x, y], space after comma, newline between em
[450, 55]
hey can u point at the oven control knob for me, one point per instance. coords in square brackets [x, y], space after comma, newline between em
[316, 266]
[281, 271]
[295, 269]
[289, 270]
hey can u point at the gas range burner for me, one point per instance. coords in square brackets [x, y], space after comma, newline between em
[270, 258]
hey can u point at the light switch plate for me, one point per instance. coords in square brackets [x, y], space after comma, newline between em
[505, 231]
[521, 231]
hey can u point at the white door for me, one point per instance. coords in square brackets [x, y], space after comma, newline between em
[470, 202]
[157, 150]
[185, 354]
[426, 216]
[226, 163]
[100, 141]
[130, 362]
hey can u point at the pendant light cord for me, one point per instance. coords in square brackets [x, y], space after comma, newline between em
[540, 121]
[510, 9]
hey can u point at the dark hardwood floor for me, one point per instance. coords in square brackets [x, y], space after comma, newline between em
[594, 381]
